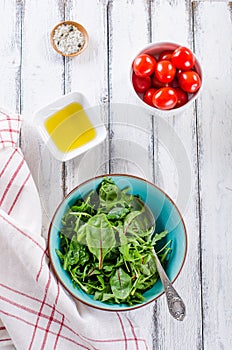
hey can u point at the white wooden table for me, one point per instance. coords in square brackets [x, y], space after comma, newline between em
[198, 178]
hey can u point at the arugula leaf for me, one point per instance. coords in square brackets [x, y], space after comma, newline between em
[159, 236]
[117, 213]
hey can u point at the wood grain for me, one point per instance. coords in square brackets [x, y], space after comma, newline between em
[180, 184]
[130, 126]
[88, 73]
[131, 134]
[215, 159]
[42, 82]
[162, 150]
[10, 55]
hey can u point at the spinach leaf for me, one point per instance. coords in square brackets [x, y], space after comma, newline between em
[109, 192]
[111, 196]
[130, 224]
[100, 237]
[120, 284]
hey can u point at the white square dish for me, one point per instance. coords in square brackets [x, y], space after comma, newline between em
[43, 114]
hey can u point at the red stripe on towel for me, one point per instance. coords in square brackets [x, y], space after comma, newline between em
[18, 194]
[11, 181]
[40, 310]
[123, 331]
[133, 332]
[59, 332]
[42, 328]
[51, 317]
[41, 264]
[8, 162]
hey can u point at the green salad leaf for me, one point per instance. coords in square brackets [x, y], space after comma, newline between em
[106, 244]
[100, 236]
[120, 284]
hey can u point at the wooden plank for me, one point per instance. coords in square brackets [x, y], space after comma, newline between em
[213, 32]
[130, 126]
[10, 60]
[171, 21]
[131, 134]
[42, 82]
[87, 73]
[10, 54]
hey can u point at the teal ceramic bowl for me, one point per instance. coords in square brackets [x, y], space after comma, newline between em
[167, 217]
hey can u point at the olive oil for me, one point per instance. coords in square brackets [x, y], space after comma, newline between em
[70, 127]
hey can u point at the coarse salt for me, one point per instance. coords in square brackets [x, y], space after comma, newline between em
[68, 39]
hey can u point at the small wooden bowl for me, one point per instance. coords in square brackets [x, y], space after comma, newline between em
[80, 28]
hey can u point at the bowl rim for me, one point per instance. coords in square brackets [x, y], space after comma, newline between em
[136, 306]
[80, 28]
[172, 111]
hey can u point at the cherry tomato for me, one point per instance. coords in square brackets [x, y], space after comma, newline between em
[178, 72]
[182, 97]
[165, 98]
[166, 55]
[189, 81]
[165, 71]
[141, 84]
[144, 65]
[158, 84]
[183, 58]
[147, 98]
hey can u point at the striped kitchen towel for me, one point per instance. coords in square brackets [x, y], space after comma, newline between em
[35, 311]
